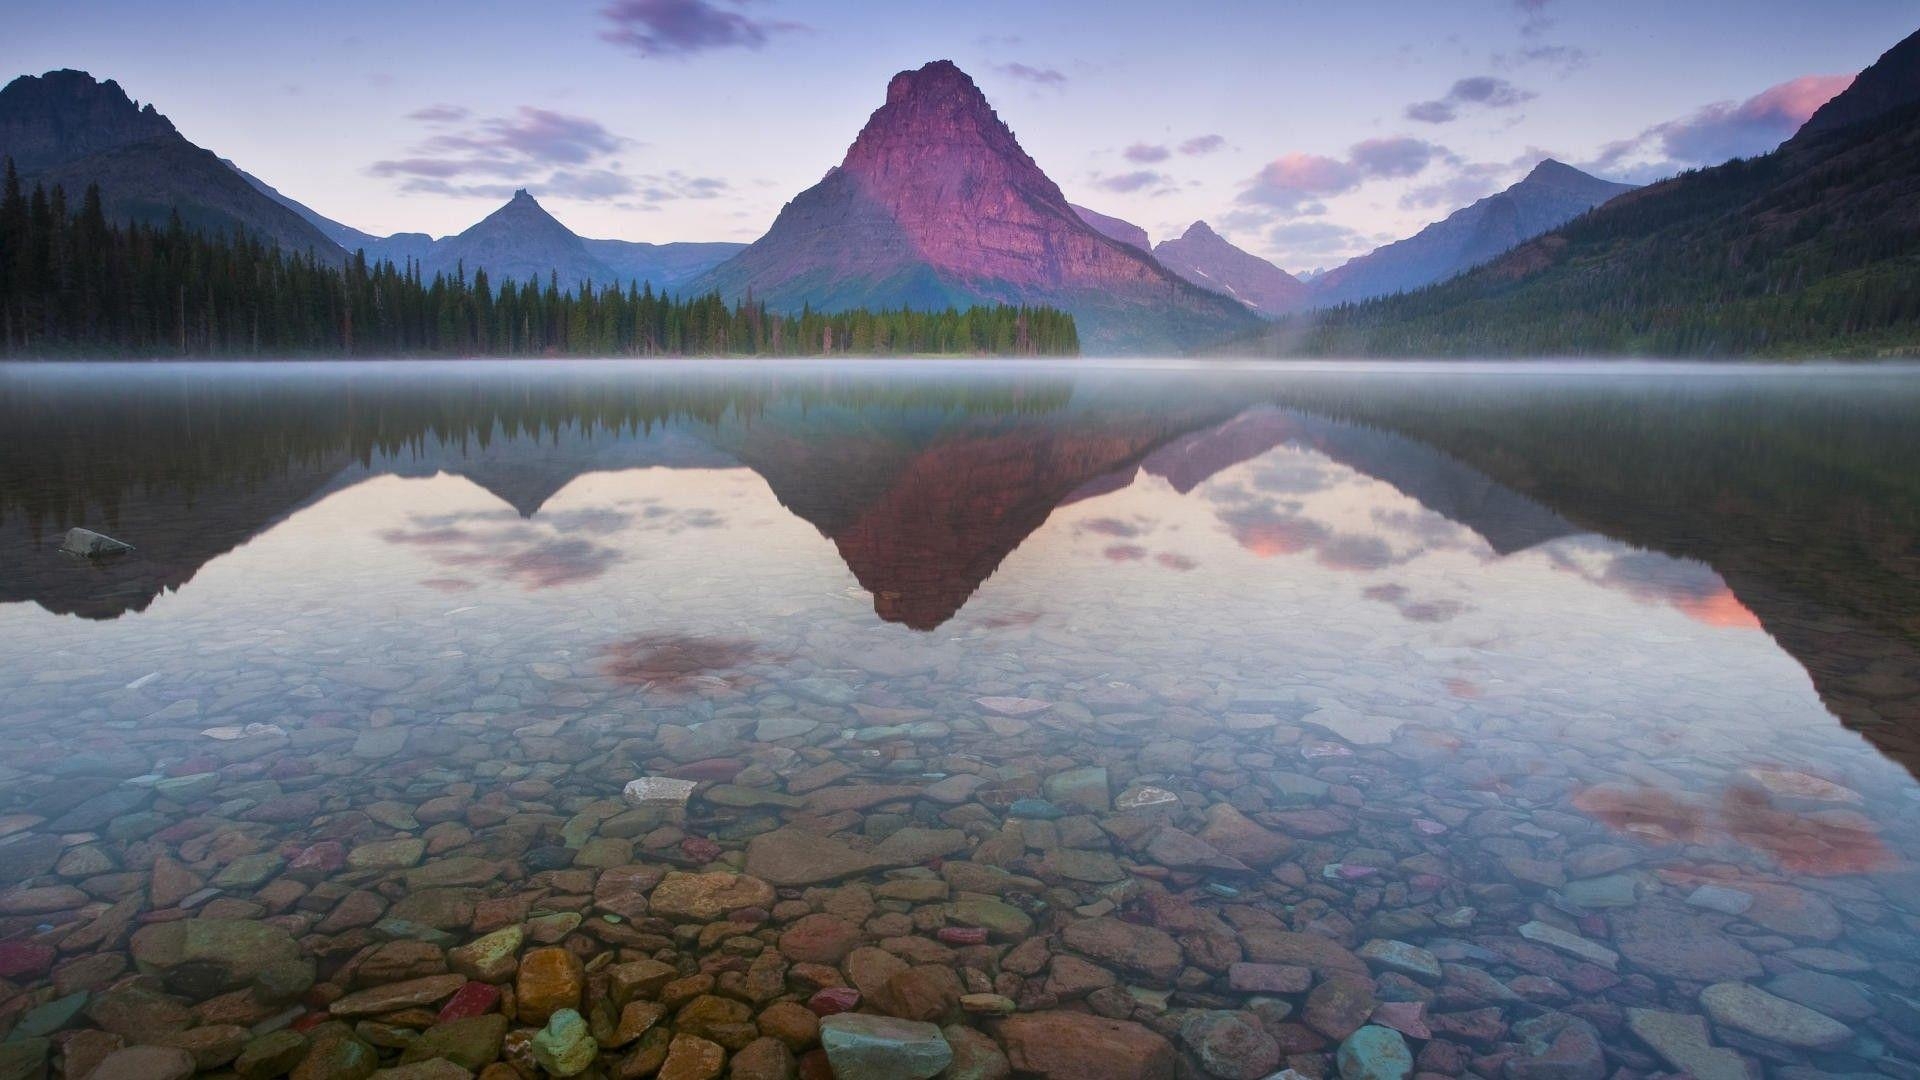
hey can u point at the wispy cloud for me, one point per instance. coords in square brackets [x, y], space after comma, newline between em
[1293, 184]
[1146, 153]
[1534, 19]
[1559, 59]
[679, 28]
[1132, 181]
[561, 155]
[1203, 144]
[1720, 131]
[1039, 76]
[1477, 91]
[439, 114]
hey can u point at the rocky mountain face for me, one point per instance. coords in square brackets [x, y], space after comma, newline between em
[1548, 197]
[65, 128]
[1124, 231]
[937, 204]
[1891, 82]
[1205, 258]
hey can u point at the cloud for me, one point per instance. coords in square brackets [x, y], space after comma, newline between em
[1290, 181]
[1314, 238]
[439, 114]
[673, 184]
[1133, 181]
[540, 135]
[1292, 184]
[1203, 144]
[1721, 131]
[1561, 59]
[1534, 20]
[1145, 153]
[1396, 157]
[1480, 91]
[680, 28]
[1038, 76]
[563, 156]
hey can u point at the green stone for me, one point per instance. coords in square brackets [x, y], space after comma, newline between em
[1375, 1053]
[472, 1043]
[249, 871]
[564, 1047]
[1000, 919]
[51, 1017]
[272, 1054]
[388, 854]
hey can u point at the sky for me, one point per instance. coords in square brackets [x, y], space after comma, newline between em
[1304, 132]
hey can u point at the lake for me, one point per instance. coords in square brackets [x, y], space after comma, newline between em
[1549, 721]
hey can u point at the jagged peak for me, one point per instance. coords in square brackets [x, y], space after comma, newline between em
[520, 194]
[1199, 230]
[76, 85]
[942, 77]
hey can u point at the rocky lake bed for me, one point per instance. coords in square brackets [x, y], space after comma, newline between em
[408, 787]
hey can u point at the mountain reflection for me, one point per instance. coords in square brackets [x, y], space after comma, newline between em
[1795, 512]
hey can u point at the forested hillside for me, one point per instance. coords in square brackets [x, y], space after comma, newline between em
[1813, 249]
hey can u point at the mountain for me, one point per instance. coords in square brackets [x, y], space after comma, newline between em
[1889, 83]
[936, 204]
[1205, 258]
[667, 266]
[65, 128]
[397, 248]
[1114, 228]
[1811, 250]
[1550, 196]
[518, 242]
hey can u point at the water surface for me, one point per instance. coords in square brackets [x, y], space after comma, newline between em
[1526, 713]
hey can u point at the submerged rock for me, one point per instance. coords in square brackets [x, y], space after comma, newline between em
[1375, 1053]
[1059, 1045]
[1681, 1040]
[1756, 1012]
[92, 545]
[863, 1047]
[658, 791]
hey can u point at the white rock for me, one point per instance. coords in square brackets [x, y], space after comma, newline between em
[1571, 944]
[658, 791]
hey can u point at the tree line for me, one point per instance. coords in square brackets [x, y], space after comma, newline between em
[74, 284]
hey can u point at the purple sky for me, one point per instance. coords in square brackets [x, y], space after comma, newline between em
[1303, 133]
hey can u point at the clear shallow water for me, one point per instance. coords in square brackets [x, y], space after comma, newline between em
[1527, 714]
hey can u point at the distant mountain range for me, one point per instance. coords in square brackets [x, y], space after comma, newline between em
[521, 241]
[936, 204]
[1550, 196]
[1813, 249]
[1205, 258]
